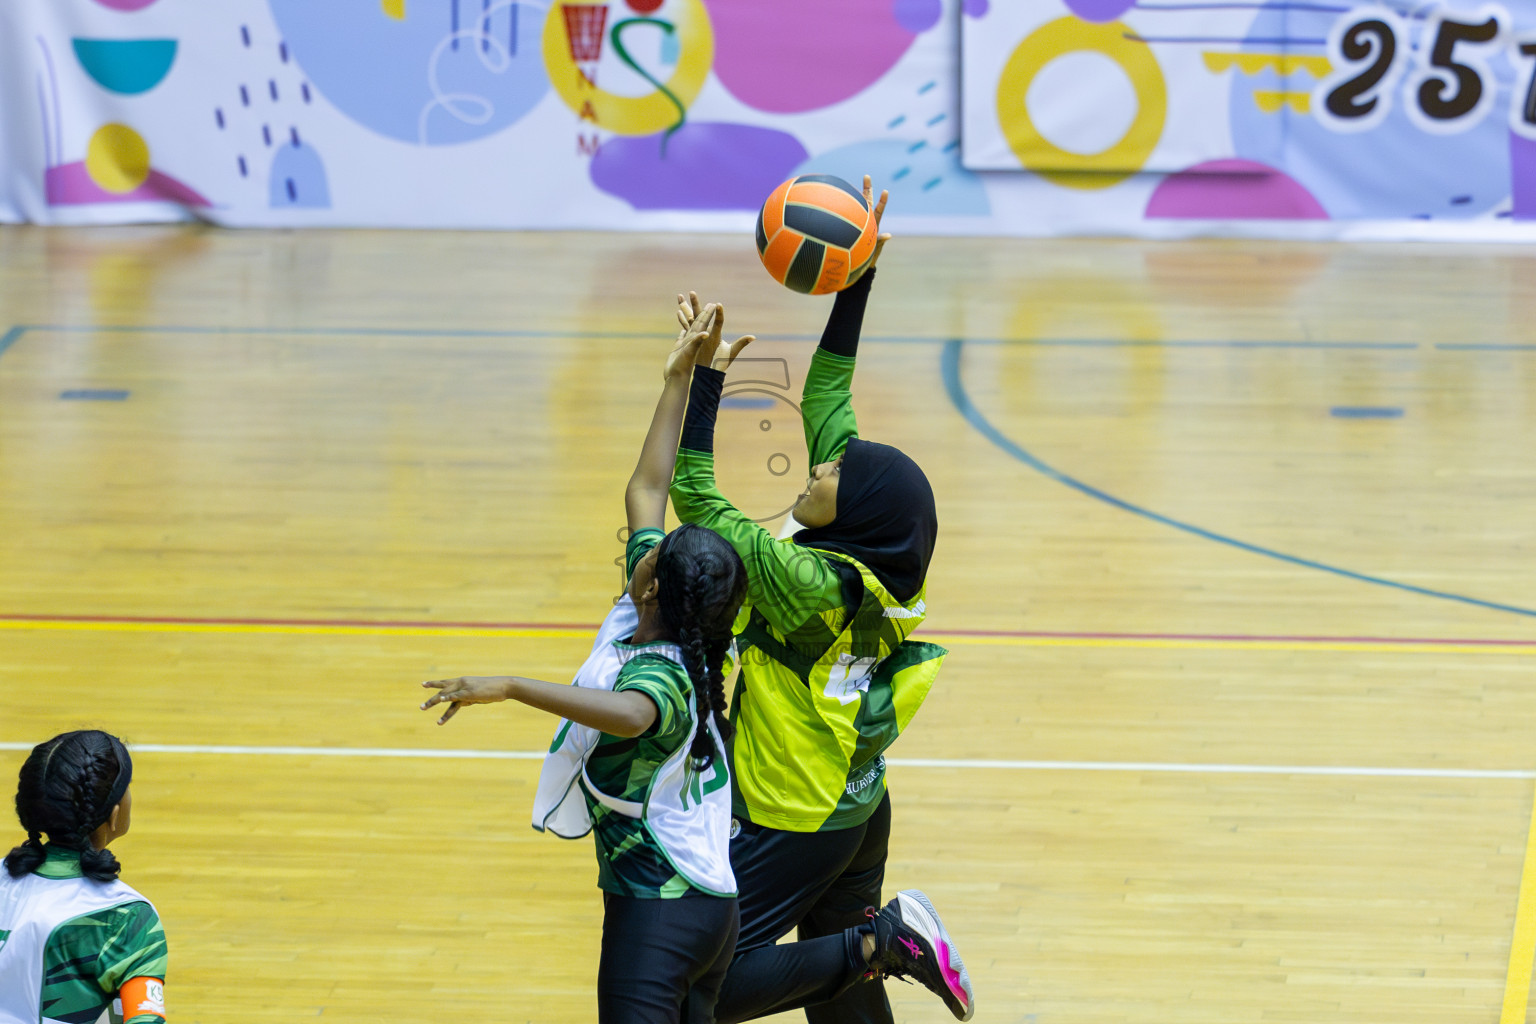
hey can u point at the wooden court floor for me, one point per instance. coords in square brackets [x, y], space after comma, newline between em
[1235, 563]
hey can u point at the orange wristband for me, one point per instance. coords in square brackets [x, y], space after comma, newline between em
[141, 996]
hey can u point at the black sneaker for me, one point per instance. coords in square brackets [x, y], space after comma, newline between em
[910, 942]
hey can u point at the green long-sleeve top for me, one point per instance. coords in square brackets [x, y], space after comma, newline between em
[787, 583]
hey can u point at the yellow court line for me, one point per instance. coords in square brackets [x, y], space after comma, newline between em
[960, 639]
[1522, 950]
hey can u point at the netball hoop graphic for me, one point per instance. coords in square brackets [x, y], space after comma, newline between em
[760, 459]
[584, 25]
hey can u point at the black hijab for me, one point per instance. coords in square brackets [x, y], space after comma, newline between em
[885, 517]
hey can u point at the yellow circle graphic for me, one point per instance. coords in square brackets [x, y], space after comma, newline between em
[117, 158]
[631, 115]
[1077, 170]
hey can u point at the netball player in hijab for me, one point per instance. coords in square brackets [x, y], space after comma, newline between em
[828, 680]
[74, 940]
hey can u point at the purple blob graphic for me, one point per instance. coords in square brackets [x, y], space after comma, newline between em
[917, 16]
[1099, 11]
[976, 8]
[1233, 189]
[791, 56]
[707, 166]
[1522, 173]
[125, 5]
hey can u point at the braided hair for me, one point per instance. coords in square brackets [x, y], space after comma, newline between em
[701, 583]
[67, 790]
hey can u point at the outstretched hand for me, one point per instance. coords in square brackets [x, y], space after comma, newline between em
[695, 333]
[464, 690]
[879, 210]
[711, 352]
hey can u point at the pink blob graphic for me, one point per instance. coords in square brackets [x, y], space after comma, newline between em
[71, 185]
[1233, 190]
[125, 5]
[791, 56]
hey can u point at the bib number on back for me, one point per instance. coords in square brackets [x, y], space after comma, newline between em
[697, 788]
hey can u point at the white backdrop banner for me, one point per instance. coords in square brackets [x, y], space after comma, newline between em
[1290, 118]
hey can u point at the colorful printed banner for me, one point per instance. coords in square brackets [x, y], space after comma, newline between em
[1311, 119]
[1281, 110]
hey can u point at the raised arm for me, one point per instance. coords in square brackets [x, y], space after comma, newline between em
[645, 498]
[826, 406]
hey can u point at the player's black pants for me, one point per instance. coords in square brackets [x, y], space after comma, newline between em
[820, 882]
[663, 960]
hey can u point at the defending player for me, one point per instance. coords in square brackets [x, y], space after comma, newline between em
[640, 760]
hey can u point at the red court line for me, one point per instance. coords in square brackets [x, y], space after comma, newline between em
[163, 620]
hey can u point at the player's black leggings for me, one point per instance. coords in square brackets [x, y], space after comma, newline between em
[820, 882]
[663, 960]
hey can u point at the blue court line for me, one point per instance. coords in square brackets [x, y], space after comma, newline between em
[955, 388]
[911, 339]
[1484, 347]
[10, 338]
[1366, 412]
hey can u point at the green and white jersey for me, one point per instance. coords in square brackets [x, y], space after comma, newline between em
[660, 826]
[68, 944]
[630, 860]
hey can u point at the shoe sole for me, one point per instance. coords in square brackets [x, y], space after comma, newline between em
[915, 907]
